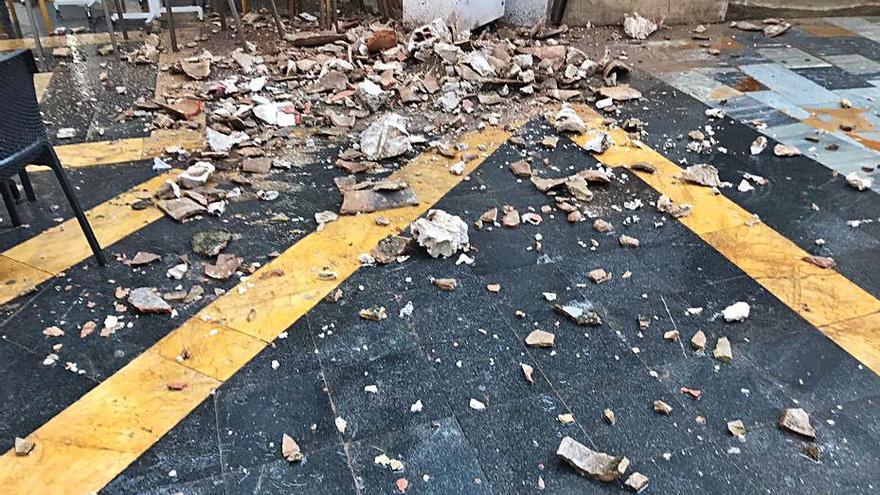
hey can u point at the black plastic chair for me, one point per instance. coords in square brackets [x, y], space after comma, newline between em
[24, 141]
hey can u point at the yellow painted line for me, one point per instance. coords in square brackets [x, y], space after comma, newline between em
[842, 310]
[55, 250]
[88, 444]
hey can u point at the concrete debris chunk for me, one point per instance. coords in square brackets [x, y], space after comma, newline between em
[567, 120]
[737, 311]
[290, 449]
[225, 266]
[786, 150]
[195, 175]
[476, 405]
[666, 205]
[181, 209]
[324, 217]
[638, 27]
[540, 338]
[859, 181]
[440, 233]
[374, 195]
[702, 174]
[521, 168]
[23, 446]
[609, 416]
[597, 142]
[565, 419]
[823, 262]
[602, 226]
[510, 219]
[798, 421]
[390, 249]
[723, 351]
[449, 284]
[622, 92]
[599, 275]
[528, 372]
[389, 462]
[387, 137]
[142, 258]
[628, 241]
[636, 482]
[196, 69]
[145, 300]
[672, 335]
[736, 428]
[589, 463]
[581, 312]
[211, 242]
[662, 407]
[758, 145]
[375, 313]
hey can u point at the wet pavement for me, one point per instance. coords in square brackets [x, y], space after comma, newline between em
[468, 344]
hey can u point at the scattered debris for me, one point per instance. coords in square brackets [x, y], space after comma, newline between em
[599, 275]
[390, 463]
[145, 300]
[823, 262]
[375, 313]
[476, 405]
[387, 137]
[736, 428]
[528, 372]
[23, 446]
[628, 241]
[723, 351]
[859, 181]
[449, 284]
[636, 482]
[540, 338]
[662, 407]
[798, 421]
[596, 465]
[290, 449]
[638, 27]
[702, 174]
[666, 205]
[567, 120]
[580, 312]
[737, 311]
[440, 233]
[609, 416]
[758, 145]
[786, 150]
[211, 242]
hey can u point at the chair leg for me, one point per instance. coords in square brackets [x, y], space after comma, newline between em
[80, 215]
[26, 184]
[10, 204]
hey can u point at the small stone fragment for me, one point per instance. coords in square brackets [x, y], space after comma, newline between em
[758, 145]
[53, 332]
[662, 407]
[476, 405]
[859, 181]
[376, 313]
[521, 168]
[609, 416]
[602, 226]
[599, 275]
[449, 284]
[737, 311]
[722, 351]
[672, 335]
[627, 241]
[225, 266]
[786, 150]
[527, 371]
[23, 446]
[290, 449]
[145, 300]
[823, 262]
[567, 120]
[636, 482]
[540, 338]
[736, 428]
[596, 465]
[702, 174]
[666, 205]
[209, 243]
[698, 341]
[440, 233]
[798, 421]
[389, 462]
[693, 393]
[565, 418]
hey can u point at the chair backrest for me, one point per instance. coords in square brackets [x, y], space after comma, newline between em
[21, 125]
